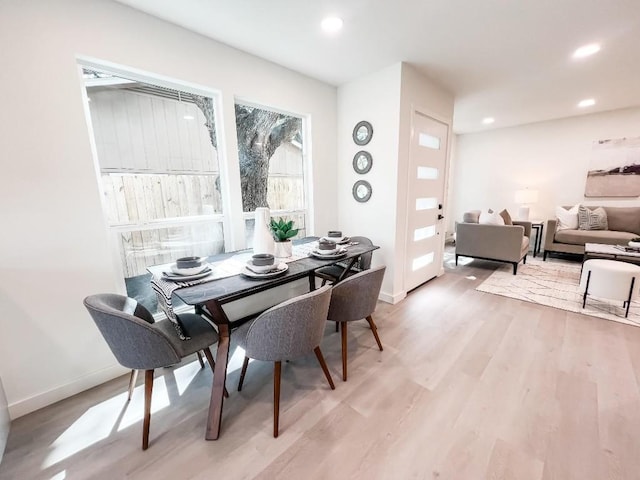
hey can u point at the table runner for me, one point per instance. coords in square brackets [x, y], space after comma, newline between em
[225, 268]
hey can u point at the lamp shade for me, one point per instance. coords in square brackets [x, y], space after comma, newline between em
[526, 196]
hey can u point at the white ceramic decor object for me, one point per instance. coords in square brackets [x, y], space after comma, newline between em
[283, 249]
[262, 239]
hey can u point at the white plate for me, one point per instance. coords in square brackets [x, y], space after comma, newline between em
[340, 253]
[326, 252]
[282, 267]
[185, 278]
[188, 271]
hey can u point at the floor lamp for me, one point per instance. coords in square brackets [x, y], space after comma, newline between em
[524, 198]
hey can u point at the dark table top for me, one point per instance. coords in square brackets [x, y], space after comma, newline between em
[227, 289]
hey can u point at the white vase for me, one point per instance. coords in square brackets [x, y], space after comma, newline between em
[283, 249]
[262, 239]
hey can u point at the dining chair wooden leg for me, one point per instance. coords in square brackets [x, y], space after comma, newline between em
[344, 350]
[374, 329]
[212, 362]
[245, 364]
[148, 390]
[132, 382]
[200, 359]
[323, 364]
[212, 365]
[277, 366]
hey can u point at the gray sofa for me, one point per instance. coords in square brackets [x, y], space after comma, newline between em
[500, 243]
[624, 224]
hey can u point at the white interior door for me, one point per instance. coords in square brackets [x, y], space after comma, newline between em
[427, 164]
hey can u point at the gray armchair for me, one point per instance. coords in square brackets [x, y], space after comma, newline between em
[355, 298]
[500, 243]
[291, 329]
[140, 343]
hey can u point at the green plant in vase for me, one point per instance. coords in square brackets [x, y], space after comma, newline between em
[283, 232]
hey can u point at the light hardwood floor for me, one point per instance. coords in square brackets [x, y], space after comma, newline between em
[469, 386]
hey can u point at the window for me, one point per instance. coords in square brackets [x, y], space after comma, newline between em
[271, 155]
[159, 171]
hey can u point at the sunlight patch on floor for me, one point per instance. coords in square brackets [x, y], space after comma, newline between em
[100, 421]
[185, 375]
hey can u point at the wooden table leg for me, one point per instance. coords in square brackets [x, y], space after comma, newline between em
[214, 421]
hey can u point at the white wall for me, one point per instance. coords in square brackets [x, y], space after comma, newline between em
[552, 157]
[376, 99]
[54, 247]
[386, 99]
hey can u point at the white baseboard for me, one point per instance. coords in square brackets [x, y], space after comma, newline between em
[41, 400]
[392, 299]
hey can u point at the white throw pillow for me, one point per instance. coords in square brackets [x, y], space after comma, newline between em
[489, 217]
[567, 219]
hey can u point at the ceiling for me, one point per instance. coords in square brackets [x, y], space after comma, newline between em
[510, 60]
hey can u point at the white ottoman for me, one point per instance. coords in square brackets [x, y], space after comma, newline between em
[610, 279]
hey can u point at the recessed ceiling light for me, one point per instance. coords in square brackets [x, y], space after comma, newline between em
[332, 24]
[488, 120]
[586, 50]
[587, 102]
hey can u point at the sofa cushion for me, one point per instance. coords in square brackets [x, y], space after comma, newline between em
[580, 237]
[506, 217]
[471, 217]
[489, 217]
[595, 219]
[567, 218]
[623, 219]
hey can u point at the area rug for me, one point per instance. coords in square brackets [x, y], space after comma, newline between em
[555, 283]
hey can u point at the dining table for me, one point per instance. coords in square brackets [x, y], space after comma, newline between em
[209, 297]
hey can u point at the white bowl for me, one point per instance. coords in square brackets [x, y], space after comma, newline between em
[188, 271]
[260, 268]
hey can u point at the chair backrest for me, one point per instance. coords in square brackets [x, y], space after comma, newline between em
[290, 329]
[128, 329]
[355, 297]
[364, 262]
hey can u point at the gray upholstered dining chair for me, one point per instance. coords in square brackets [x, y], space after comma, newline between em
[354, 298]
[140, 343]
[333, 272]
[291, 329]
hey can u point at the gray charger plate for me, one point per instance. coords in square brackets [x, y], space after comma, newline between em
[174, 277]
[281, 268]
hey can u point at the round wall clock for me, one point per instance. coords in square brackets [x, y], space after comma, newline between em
[362, 191]
[362, 162]
[362, 133]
